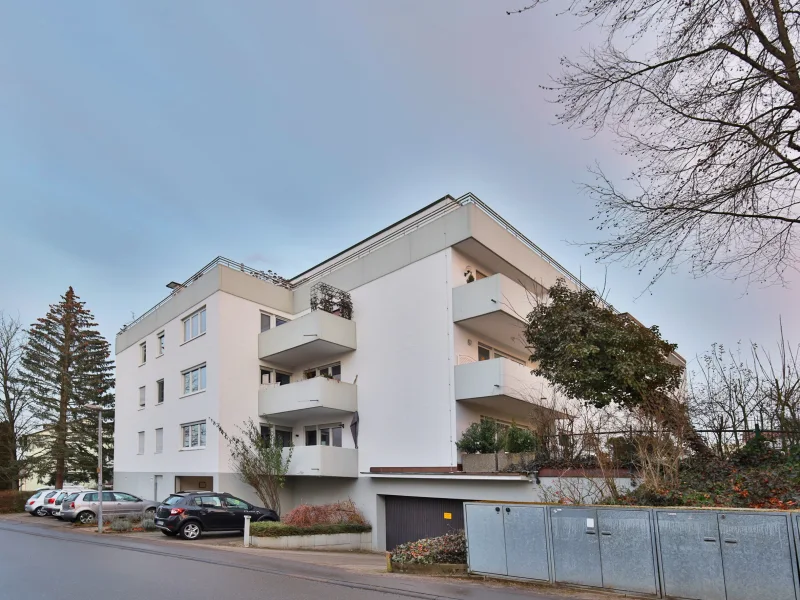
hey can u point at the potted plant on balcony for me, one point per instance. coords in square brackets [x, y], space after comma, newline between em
[520, 446]
[489, 448]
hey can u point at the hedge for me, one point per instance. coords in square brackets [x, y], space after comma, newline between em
[11, 502]
[274, 529]
[450, 548]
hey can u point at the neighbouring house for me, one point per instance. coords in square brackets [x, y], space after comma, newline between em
[371, 364]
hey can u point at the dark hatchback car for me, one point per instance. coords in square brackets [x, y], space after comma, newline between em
[188, 514]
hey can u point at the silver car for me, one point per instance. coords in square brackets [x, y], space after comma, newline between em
[84, 506]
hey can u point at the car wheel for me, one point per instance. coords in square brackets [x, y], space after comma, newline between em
[150, 513]
[169, 533]
[190, 531]
[41, 512]
[85, 517]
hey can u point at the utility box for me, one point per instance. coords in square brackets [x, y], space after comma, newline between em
[576, 546]
[627, 551]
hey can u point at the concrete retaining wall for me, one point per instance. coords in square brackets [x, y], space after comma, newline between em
[337, 541]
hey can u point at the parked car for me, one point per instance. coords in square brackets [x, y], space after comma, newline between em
[188, 514]
[35, 504]
[83, 507]
[53, 505]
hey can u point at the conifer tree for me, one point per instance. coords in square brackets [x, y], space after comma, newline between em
[67, 366]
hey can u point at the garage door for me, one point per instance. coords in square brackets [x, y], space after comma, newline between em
[409, 519]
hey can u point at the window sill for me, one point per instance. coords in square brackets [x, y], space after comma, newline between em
[192, 394]
[142, 407]
[159, 404]
[142, 364]
[159, 355]
[192, 449]
[193, 339]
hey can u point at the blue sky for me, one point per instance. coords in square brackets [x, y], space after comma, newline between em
[139, 140]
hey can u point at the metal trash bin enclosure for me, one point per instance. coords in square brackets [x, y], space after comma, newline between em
[508, 540]
[576, 546]
[627, 551]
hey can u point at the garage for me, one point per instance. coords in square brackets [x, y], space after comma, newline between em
[409, 518]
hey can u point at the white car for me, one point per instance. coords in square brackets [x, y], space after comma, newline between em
[35, 504]
[53, 505]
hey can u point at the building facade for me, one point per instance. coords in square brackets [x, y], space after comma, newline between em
[372, 402]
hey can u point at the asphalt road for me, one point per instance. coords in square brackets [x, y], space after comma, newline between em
[38, 563]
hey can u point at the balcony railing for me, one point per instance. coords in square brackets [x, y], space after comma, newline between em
[495, 307]
[313, 338]
[323, 461]
[319, 398]
[504, 386]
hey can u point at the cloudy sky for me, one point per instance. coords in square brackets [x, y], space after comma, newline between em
[139, 140]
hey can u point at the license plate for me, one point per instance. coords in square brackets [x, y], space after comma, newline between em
[159, 521]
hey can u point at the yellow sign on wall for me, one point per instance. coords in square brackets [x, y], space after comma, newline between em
[448, 516]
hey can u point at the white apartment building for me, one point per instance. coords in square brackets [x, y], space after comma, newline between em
[424, 354]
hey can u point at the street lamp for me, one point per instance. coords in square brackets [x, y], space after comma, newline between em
[99, 409]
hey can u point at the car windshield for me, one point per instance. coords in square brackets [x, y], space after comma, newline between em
[173, 500]
[36, 495]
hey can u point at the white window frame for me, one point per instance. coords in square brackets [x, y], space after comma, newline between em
[142, 397]
[201, 427]
[141, 443]
[159, 442]
[319, 429]
[160, 342]
[495, 353]
[187, 323]
[142, 353]
[315, 372]
[160, 392]
[186, 376]
[274, 321]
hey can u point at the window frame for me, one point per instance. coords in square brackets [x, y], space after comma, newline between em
[202, 325]
[141, 443]
[202, 379]
[159, 446]
[201, 435]
[316, 371]
[160, 392]
[143, 353]
[495, 353]
[318, 433]
[160, 344]
[142, 396]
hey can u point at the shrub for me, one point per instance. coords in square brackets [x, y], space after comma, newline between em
[518, 439]
[480, 438]
[450, 549]
[11, 501]
[149, 524]
[307, 515]
[274, 529]
[121, 525]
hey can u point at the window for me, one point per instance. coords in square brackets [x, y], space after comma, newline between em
[266, 321]
[279, 321]
[325, 435]
[487, 353]
[159, 440]
[160, 386]
[90, 497]
[161, 343]
[266, 376]
[141, 442]
[330, 371]
[194, 435]
[194, 325]
[194, 380]
[143, 353]
[283, 436]
[120, 497]
[282, 378]
[232, 502]
[208, 501]
[142, 391]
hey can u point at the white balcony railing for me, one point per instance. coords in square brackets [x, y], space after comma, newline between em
[503, 385]
[319, 398]
[323, 461]
[313, 338]
[495, 307]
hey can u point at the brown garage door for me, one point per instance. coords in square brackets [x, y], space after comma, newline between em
[409, 518]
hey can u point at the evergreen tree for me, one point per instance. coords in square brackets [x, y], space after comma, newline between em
[67, 366]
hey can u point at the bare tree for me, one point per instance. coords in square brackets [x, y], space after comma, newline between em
[705, 96]
[16, 418]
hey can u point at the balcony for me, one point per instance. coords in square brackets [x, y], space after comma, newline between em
[319, 398]
[494, 307]
[317, 337]
[504, 386]
[323, 461]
